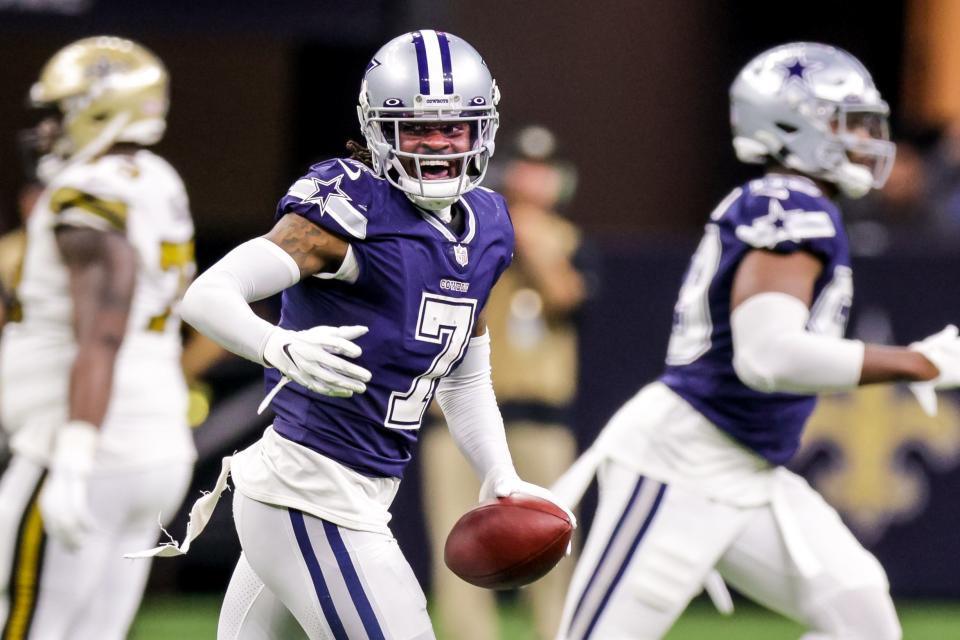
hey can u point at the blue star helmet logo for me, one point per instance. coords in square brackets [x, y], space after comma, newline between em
[326, 189]
[797, 70]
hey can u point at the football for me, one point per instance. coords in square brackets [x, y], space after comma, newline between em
[508, 542]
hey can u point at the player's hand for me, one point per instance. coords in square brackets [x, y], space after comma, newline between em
[501, 482]
[312, 358]
[943, 350]
[64, 503]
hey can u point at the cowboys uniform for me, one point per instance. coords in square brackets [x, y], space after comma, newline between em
[689, 468]
[313, 494]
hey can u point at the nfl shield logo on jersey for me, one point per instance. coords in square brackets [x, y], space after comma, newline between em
[460, 255]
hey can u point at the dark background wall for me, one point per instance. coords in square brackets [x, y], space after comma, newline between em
[637, 90]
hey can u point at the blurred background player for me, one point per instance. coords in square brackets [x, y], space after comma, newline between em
[690, 469]
[93, 393]
[398, 241]
[534, 356]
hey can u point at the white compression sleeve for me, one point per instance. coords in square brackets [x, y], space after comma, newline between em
[470, 407]
[773, 351]
[217, 303]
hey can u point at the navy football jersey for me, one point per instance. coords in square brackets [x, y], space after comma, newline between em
[420, 290]
[778, 213]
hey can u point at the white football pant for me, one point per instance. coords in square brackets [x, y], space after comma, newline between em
[303, 577]
[50, 593]
[652, 545]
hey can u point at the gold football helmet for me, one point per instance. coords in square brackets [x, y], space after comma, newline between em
[107, 90]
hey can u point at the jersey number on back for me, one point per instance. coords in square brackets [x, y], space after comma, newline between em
[692, 325]
[444, 321]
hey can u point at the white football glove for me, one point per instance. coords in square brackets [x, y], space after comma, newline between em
[943, 350]
[63, 499]
[312, 358]
[502, 481]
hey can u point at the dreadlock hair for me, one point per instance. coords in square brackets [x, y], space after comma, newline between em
[359, 152]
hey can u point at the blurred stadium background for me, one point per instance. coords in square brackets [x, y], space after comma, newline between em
[636, 92]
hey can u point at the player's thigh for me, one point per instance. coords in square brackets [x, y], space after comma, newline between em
[650, 547]
[126, 501]
[251, 611]
[126, 505]
[818, 573]
[337, 582]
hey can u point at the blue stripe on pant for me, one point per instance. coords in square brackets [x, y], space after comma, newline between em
[319, 584]
[630, 529]
[354, 586]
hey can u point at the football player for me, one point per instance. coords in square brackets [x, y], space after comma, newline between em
[385, 261]
[691, 469]
[93, 394]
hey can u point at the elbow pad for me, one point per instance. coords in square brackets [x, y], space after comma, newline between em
[773, 351]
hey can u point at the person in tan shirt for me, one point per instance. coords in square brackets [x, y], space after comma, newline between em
[13, 245]
[534, 360]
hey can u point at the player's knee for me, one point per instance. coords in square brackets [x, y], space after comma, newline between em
[859, 614]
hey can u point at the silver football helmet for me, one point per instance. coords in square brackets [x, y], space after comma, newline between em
[813, 108]
[429, 76]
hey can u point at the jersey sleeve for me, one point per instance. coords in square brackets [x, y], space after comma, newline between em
[786, 221]
[336, 195]
[89, 200]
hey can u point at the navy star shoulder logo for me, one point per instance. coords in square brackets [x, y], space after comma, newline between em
[326, 189]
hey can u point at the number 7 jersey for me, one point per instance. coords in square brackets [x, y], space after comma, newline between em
[418, 285]
[778, 213]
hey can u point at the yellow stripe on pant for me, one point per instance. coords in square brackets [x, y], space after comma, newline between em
[25, 575]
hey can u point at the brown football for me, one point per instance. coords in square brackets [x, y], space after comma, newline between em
[508, 542]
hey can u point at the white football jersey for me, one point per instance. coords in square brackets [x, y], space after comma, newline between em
[142, 196]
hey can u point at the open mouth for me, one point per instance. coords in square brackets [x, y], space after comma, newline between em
[437, 169]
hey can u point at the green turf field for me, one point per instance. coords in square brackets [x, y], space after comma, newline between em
[195, 618]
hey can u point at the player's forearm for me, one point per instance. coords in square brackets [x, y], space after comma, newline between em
[895, 364]
[469, 405]
[773, 351]
[214, 306]
[91, 380]
[218, 302]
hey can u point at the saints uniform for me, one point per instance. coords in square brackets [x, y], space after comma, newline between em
[145, 450]
[692, 478]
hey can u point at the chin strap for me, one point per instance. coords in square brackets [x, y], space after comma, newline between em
[439, 206]
[50, 165]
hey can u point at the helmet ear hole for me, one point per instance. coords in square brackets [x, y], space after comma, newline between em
[786, 128]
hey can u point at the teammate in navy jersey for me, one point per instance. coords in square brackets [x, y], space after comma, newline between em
[689, 469]
[385, 261]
